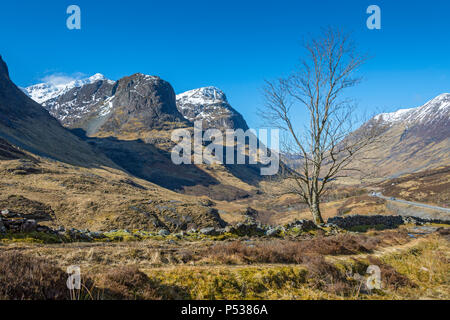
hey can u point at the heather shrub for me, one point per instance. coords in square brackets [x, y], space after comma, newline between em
[127, 283]
[28, 278]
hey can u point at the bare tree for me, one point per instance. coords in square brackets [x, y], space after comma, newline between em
[328, 143]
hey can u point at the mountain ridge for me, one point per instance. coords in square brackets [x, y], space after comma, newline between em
[130, 122]
[436, 107]
[42, 92]
[414, 139]
[24, 123]
[73, 100]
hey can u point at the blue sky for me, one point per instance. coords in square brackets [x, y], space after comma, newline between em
[233, 45]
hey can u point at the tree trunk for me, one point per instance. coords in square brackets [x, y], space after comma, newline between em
[315, 210]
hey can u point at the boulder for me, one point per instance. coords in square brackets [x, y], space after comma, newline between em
[163, 232]
[248, 229]
[29, 225]
[303, 225]
[5, 213]
[273, 232]
[210, 231]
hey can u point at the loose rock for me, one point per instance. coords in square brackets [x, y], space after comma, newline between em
[163, 232]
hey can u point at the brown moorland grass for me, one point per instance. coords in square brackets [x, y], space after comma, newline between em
[391, 277]
[285, 251]
[25, 277]
[428, 186]
[127, 283]
[416, 270]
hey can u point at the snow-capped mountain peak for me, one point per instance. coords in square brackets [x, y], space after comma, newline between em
[209, 105]
[45, 91]
[95, 77]
[436, 108]
[202, 96]
[442, 101]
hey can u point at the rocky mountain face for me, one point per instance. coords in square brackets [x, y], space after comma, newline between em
[43, 92]
[104, 107]
[210, 105]
[106, 176]
[139, 102]
[414, 139]
[130, 121]
[74, 106]
[25, 124]
[97, 104]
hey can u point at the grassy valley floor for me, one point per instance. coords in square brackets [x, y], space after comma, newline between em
[317, 267]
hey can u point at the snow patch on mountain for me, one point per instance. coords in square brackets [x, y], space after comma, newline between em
[201, 96]
[107, 107]
[45, 91]
[436, 108]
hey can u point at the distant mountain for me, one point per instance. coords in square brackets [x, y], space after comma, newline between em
[85, 103]
[103, 107]
[437, 108]
[131, 121]
[210, 105]
[24, 123]
[103, 170]
[415, 139]
[43, 92]
[77, 104]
